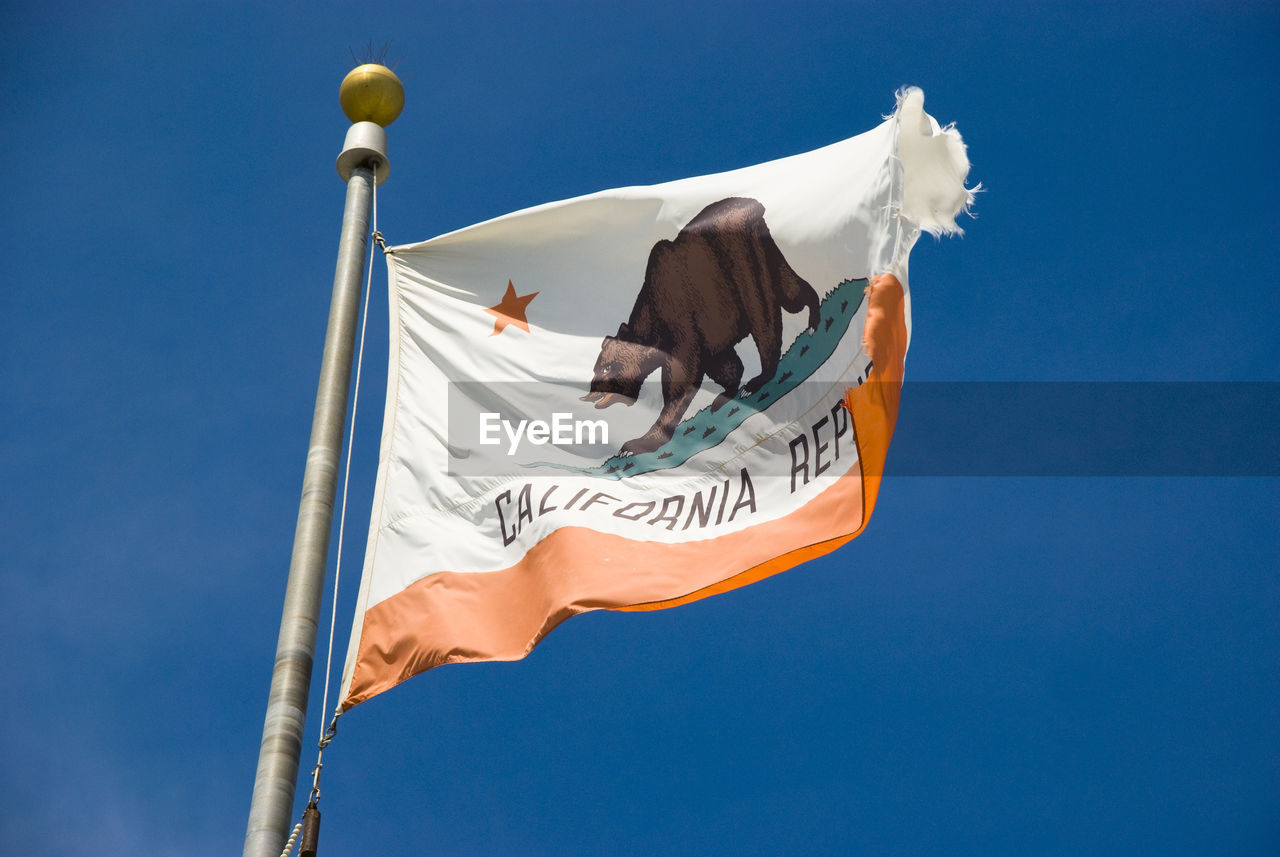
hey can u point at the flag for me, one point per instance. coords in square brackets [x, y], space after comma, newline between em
[641, 397]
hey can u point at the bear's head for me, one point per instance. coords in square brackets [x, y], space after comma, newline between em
[620, 370]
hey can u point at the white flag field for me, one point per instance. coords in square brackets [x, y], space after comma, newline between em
[641, 397]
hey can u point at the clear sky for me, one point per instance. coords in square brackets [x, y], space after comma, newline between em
[1013, 664]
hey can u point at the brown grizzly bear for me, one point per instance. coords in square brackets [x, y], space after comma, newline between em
[723, 278]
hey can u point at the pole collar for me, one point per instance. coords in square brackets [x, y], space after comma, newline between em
[366, 142]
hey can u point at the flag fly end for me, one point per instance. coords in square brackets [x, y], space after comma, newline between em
[935, 164]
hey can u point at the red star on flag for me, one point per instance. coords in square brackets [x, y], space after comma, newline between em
[510, 310]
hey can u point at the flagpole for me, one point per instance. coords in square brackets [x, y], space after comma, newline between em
[371, 96]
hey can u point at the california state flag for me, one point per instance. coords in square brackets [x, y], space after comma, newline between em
[641, 397]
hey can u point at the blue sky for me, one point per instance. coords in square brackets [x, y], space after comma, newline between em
[1000, 665]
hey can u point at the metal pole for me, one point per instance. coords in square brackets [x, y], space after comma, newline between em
[371, 96]
[271, 810]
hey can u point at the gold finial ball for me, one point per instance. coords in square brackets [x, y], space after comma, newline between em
[371, 93]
